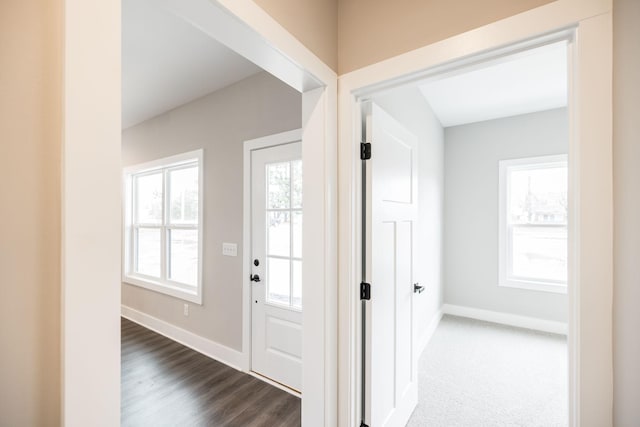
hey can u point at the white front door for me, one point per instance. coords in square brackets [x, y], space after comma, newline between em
[276, 264]
[391, 390]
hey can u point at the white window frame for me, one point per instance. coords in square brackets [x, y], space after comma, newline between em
[163, 285]
[504, 230]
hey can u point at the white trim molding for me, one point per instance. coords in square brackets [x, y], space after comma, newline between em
[509, 319]
[212, 349]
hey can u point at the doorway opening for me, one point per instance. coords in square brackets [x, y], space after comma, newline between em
[466, 213]
[197, 84]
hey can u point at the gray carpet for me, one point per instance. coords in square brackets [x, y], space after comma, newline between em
[476, 373]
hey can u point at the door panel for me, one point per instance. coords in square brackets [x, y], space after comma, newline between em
[391, 188]
[283, 336]
[395, 172]
[404, 295]
[276, 218]
[383, 364]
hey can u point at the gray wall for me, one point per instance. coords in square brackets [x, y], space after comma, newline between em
[626, 181]
[410, 108]
[257, 106]
[472, 153]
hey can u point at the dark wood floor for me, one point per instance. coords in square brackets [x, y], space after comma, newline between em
[167, 384]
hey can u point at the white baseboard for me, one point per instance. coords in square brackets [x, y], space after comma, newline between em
[428, 333]
[506, 319]
[212, 349]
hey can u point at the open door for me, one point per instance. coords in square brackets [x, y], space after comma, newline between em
[390, 214]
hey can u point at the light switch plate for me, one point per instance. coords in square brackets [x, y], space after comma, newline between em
[229, 249]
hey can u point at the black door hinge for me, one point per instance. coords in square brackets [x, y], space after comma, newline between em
[365, 291]
[365, 150]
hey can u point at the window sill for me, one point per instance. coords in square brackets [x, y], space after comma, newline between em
[555, 288]
[165, 288]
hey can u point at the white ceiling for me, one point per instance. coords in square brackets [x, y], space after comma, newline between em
[531, 81]
[166, 62]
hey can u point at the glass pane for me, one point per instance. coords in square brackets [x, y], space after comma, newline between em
[297, 234]
[148, 251]
[296, 182]
[296, 300]
[183, 256]
[278, 281]
[278, 185]
[279, 232]
[540, 253]
[148, 194]
[183, 195]
[538, 196]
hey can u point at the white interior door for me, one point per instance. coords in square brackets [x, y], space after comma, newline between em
[276, 263]
[391, 390]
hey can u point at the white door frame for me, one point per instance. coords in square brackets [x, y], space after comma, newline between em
[590, 258]
[248, 147]
[91, 214]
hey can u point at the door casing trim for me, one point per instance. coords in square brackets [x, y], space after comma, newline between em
[92, 128]
[589, 24]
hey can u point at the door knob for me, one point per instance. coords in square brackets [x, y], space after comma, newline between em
[417, 288]
[254, 278]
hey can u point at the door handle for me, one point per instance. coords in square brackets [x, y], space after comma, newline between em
[254, 277]
[417, 289]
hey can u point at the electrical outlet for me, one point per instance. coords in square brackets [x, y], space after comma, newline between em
[186, 310]
[229, 249]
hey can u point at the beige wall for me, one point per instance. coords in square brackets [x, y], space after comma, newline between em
[313, 22]
[257, 106]
[372, 30]
[30, 125]
[626, 161]
[350, 34]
